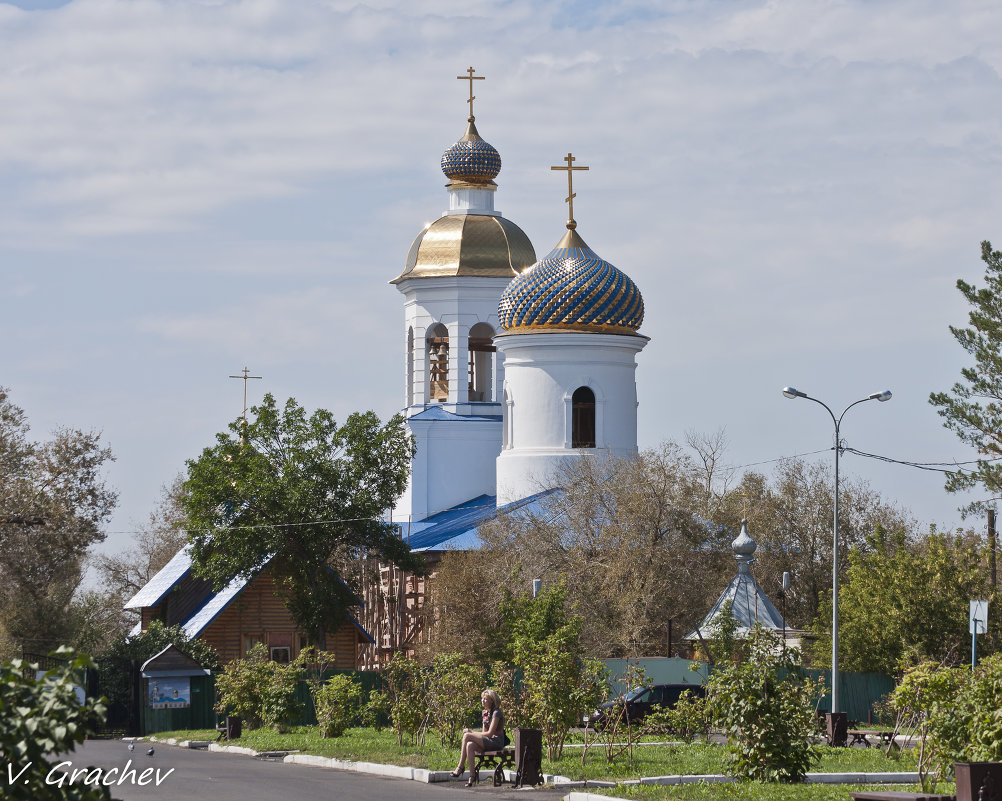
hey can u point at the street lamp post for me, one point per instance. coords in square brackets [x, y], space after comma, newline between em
[790, 392]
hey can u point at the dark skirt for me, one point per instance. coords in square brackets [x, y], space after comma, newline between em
[495, 743]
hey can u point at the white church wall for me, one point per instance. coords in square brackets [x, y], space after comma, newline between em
[541, 373]
[455, 462]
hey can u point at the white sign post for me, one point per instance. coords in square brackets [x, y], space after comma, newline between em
[978, 624]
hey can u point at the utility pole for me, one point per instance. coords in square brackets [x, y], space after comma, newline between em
[991, 547]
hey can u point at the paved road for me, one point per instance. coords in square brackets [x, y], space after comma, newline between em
[205, 776]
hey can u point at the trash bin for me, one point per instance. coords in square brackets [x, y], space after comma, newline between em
[528, 757]
[973, 777]
[233, 727]
[838, 729]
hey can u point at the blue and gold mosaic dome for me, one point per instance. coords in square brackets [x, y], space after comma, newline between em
[471, 160]
[572, 289]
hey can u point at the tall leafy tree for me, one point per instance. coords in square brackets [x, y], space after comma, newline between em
[904, 599]
[790, 517]
[303, 495]
[973, 407]
[53, 502]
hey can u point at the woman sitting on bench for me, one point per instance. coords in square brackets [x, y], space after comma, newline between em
[491, 739]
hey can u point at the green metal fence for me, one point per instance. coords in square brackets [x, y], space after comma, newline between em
[202, 715]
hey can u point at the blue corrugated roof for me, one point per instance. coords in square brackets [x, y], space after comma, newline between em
[455, 529]
[164, 581]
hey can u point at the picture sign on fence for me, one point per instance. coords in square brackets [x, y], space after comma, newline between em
[170, 693]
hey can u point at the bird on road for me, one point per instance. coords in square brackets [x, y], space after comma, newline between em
[132, 746]
[150, 752]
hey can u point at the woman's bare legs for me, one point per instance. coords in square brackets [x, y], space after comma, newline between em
[470, 738]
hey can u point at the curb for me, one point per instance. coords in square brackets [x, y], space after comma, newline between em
[436, 776]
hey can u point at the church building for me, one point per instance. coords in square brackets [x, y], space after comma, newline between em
[514, 368]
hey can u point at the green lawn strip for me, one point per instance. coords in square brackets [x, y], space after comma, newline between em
[369, 745]
[754, 791]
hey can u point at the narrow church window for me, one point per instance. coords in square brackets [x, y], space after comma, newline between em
[480, 366]
[410, 366]
[438, 363]
[583, 418]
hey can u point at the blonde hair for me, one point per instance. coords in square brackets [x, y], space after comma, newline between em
[493, 696]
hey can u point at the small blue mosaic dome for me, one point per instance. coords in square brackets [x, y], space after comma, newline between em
[471, 160]
[572, 288]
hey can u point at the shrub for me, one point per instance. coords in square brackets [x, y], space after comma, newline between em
[376, 711]
[954, 711]
[260, 691]
[453, 695]
[689, 718]
[40, 716]
[407, 694]
[337, 704]
[765, 705]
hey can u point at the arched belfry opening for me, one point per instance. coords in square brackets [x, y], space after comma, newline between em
[480, 364]
[583, 418]
[438, 364]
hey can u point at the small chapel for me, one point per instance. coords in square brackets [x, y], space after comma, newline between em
[514, 367]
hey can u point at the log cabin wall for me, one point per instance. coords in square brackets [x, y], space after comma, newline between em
[258, 614]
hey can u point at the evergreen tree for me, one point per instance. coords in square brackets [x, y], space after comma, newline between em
[973, 407]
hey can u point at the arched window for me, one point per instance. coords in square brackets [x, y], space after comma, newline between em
[480, 366]
[410, 366]
[583, 418]
[438, 363]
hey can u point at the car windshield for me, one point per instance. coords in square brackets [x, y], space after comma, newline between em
[633, 695]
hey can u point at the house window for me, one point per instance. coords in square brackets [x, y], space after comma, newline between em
[250, 640]
[281, 655]
[583, 418]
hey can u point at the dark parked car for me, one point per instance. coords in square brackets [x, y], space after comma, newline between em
[639, 702]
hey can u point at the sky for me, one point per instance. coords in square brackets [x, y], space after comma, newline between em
[188, 187]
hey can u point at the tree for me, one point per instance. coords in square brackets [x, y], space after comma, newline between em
[154, 545]
[790, 517]
[973, 407]
[625, 537]
[41, 717]
[53, 502]
[304, 496]
[903, 598]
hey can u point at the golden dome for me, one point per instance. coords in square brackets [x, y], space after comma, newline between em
[468, 244]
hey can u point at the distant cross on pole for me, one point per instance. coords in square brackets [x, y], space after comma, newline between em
[570, 188]
[471, 78]
[245, 378]
[744, 502]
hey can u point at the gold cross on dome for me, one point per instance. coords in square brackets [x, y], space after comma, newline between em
[570, 188]
[471, 78]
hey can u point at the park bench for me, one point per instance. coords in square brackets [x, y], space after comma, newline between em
[898, 795]
[495, 760]
[862, 737]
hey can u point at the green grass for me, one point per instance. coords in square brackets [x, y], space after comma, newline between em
[368, 745]
[753, 791]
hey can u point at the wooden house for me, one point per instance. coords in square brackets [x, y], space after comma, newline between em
[234, 619]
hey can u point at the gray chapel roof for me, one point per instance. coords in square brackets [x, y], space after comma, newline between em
[749, 604]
